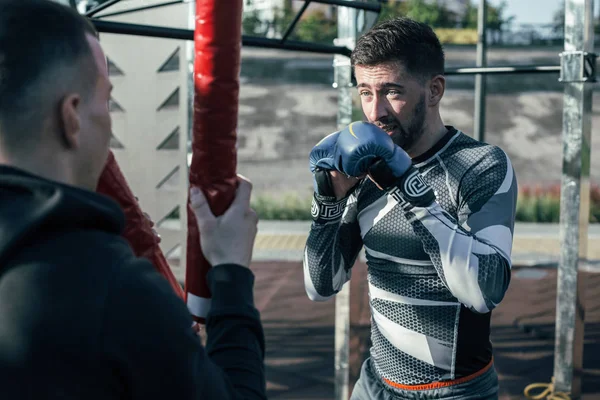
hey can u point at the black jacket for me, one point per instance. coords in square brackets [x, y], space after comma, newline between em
[82, 318]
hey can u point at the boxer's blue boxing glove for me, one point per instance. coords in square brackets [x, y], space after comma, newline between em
[321, 162]
[364, 148]
[325, 207]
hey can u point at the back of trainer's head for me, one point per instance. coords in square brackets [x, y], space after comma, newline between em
[412, 43]
[44, 54]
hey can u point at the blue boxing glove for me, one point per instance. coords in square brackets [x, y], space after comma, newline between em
[321, 162]
[325, 207]
[363, 148]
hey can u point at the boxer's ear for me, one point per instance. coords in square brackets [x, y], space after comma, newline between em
[437, 87]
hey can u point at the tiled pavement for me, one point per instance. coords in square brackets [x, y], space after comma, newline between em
[300, 335]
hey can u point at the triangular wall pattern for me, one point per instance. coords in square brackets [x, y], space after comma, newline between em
[172, 63]
[173, 215]
[114, 106]
[115, 143]
[171, 142]
[171, 180]
[113, 69]
[171, 102]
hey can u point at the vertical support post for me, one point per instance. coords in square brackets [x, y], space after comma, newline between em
[347, 32]
[577, 71]
[186, 138]
[480, 79]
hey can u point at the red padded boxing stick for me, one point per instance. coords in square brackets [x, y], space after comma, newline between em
[217, 41]
[138, 229]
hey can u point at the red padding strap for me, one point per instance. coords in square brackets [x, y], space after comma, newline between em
[138, 229]
[218, 38]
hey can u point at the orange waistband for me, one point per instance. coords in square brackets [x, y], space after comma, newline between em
[438, 385]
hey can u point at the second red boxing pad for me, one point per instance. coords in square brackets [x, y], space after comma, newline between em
[138, 228]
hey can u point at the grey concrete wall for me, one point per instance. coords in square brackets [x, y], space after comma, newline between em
[287, 104]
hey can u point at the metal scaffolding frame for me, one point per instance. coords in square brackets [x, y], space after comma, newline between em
[576, 70]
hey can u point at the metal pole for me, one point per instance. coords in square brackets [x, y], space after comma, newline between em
[189, 56]
[480, 80]
[124, 28]
[103, 6]
[521, 69]
[186, 139]
[347, 32]
[578, 70]
[358, 5]
[144, 8]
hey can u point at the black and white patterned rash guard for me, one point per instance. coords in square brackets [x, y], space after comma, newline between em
[434, 273]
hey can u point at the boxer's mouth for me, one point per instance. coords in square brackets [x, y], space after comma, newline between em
[389, 129]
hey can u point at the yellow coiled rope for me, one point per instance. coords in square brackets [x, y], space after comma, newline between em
[548, 392]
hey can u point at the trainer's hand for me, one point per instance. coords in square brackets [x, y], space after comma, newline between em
[229, 238]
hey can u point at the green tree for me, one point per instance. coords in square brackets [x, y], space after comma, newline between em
[252, 25]
[432, 13]
[313, 27]
[282, 20]
[391, 10]
[558, 20]
[496, 20]
[317, 27]
[251, 22]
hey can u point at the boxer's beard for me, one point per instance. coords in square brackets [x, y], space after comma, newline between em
[406, 138]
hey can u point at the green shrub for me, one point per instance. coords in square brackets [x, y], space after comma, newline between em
[542, 204]
[457, 35]
[534, 204]
[526, 209]
[288, 208]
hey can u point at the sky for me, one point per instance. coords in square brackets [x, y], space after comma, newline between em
[534, 11]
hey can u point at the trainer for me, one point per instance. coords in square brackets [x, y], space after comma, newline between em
[434, 210]
[80, 316]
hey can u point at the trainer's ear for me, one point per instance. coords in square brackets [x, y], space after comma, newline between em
[69, 120]
[437, 87]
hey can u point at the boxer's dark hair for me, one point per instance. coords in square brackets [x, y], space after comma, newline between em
[412, 43]
[44, 54]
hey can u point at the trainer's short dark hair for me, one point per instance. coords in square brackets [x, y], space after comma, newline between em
[412, 43]
[44, 54]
